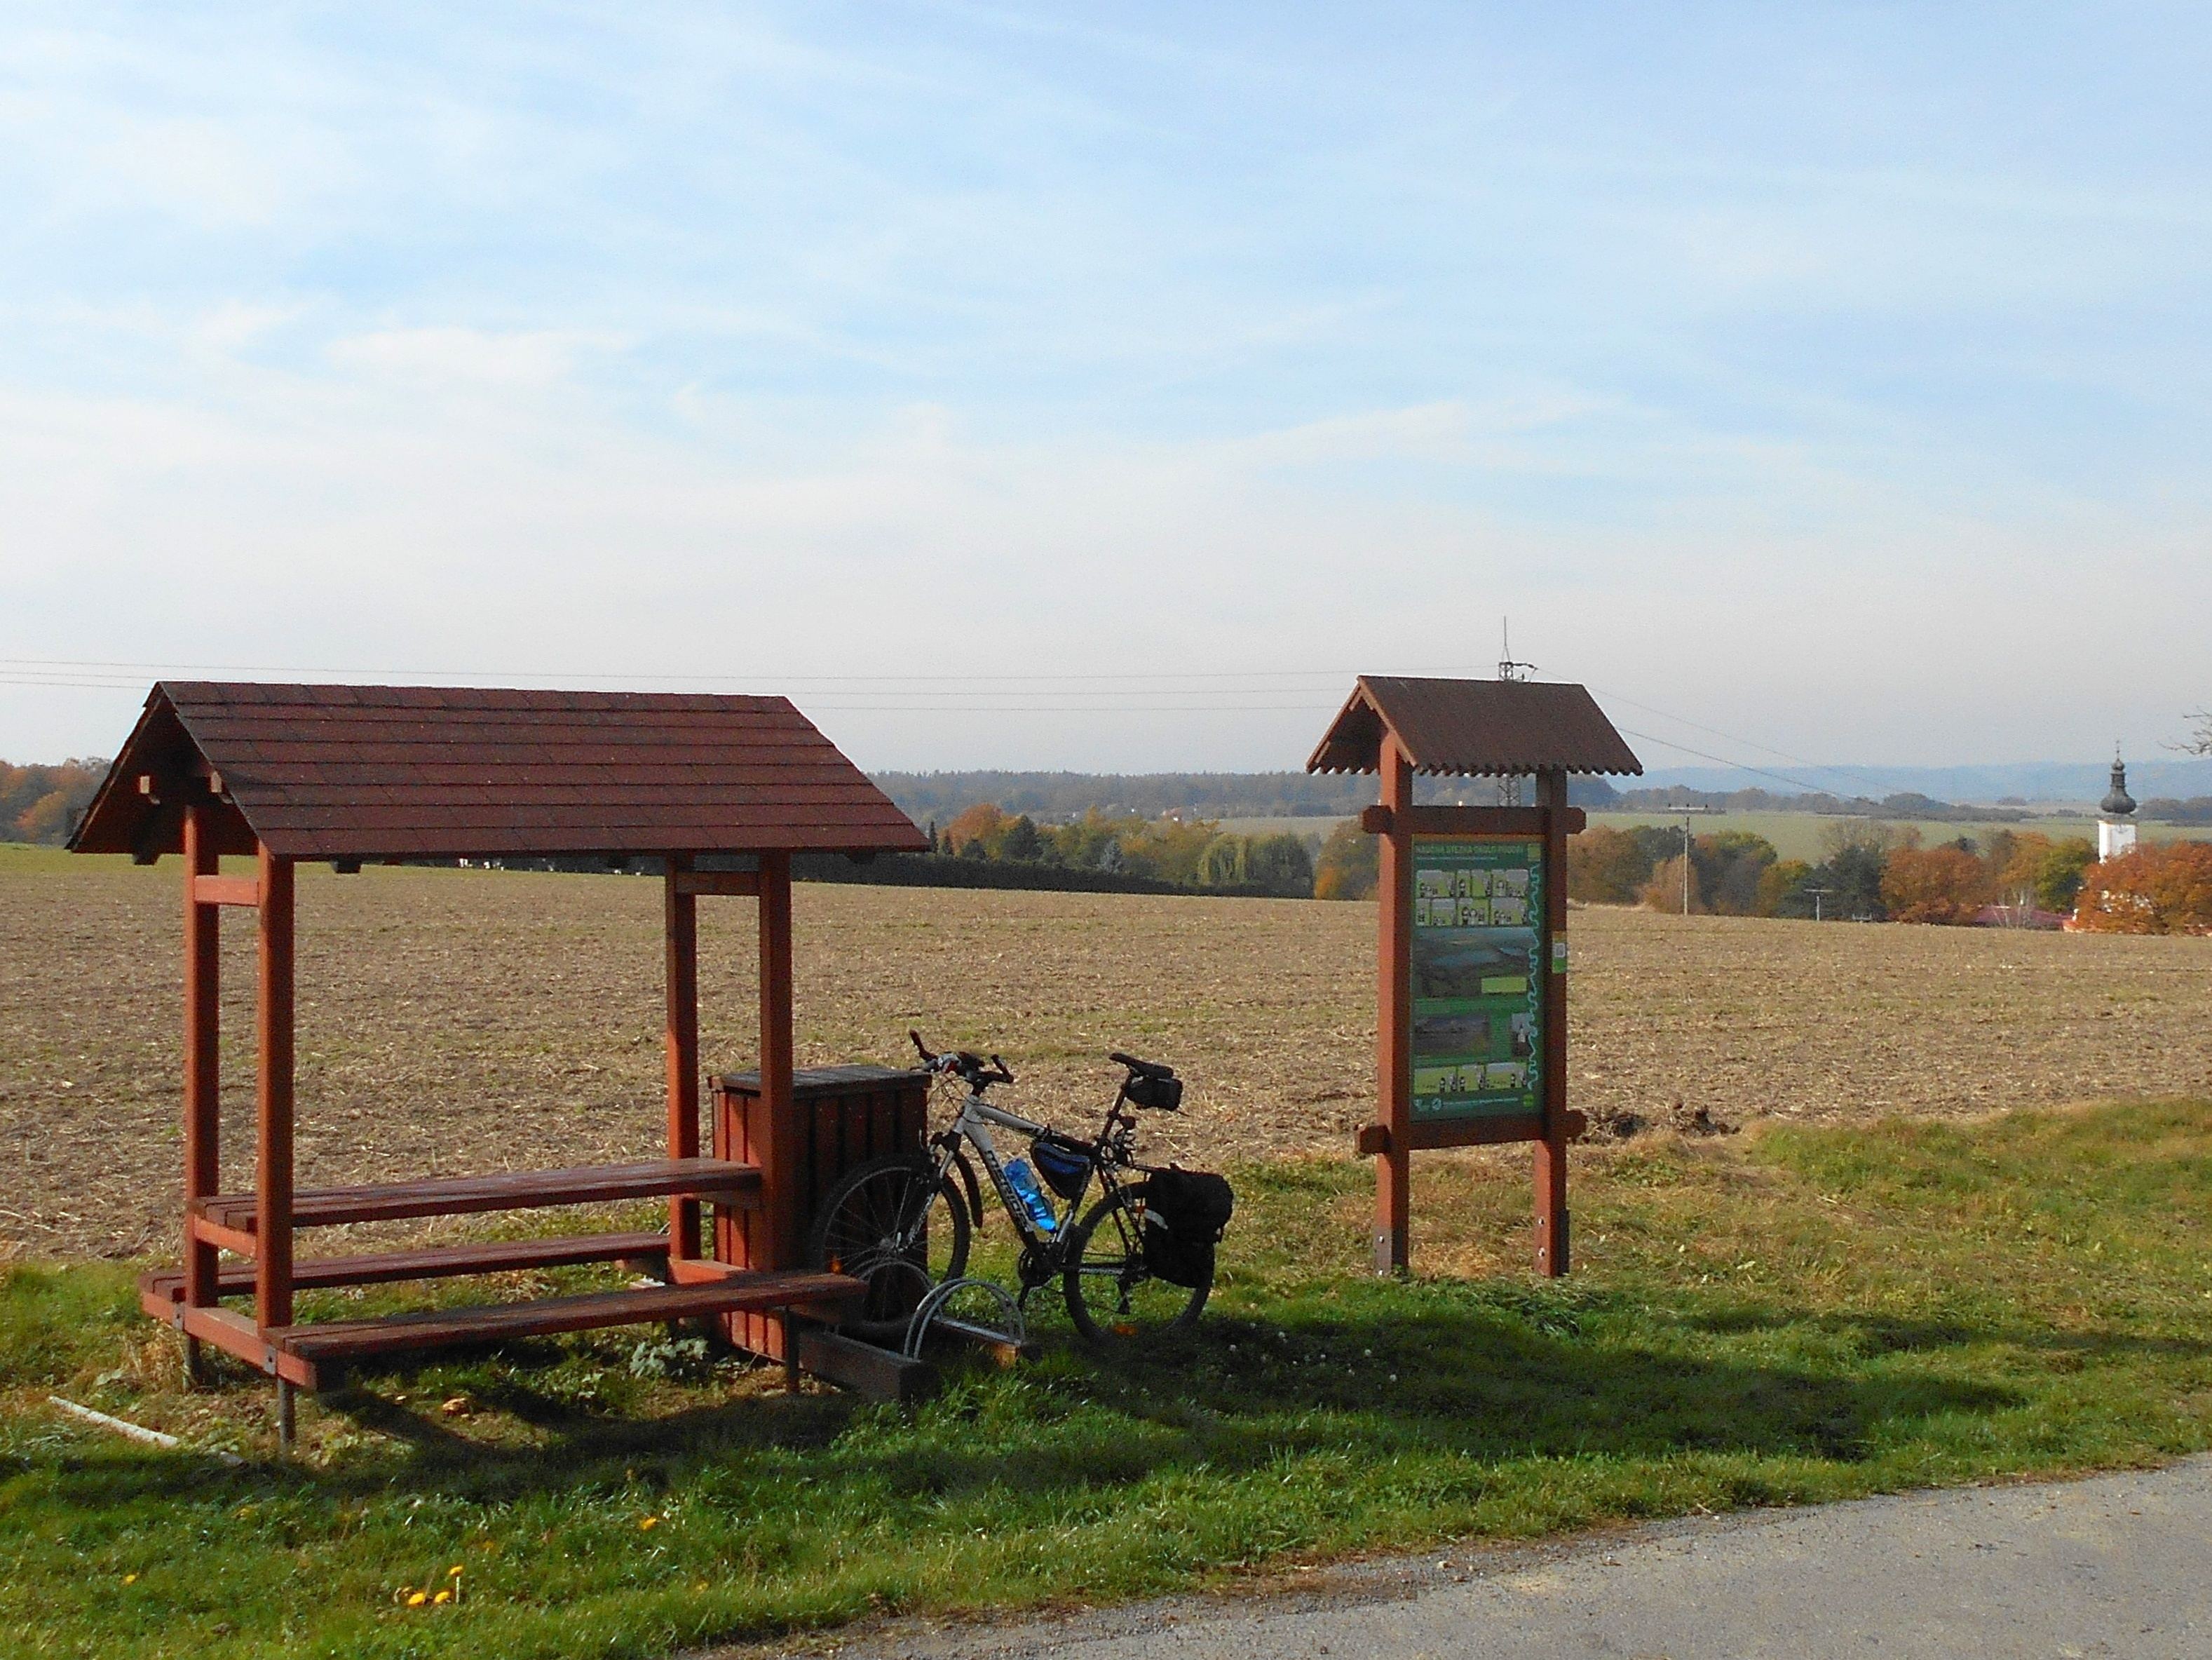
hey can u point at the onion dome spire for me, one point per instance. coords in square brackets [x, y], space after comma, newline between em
[2117, 803]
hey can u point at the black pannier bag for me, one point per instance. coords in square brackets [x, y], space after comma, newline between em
[1185, 1214]
[1064, 1164]
[1162, 1094]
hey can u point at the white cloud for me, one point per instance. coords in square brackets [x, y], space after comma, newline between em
[464, 356]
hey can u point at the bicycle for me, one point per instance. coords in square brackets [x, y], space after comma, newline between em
[902, 1222]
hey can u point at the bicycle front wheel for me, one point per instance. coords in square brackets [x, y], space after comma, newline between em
[1112, 1296]
[894, 1223]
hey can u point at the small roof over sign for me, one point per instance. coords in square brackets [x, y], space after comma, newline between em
[351, 772]
[1479, 726]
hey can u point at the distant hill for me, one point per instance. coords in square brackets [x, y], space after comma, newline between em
[2027, 780]
[1965, 793]
[1057, 797]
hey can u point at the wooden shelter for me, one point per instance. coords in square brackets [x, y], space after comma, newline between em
[1399, 726]
[354, 774]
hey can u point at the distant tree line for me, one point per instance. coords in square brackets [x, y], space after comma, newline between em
[1060, 797]
[41, 803]
[1870, 870]
[1907, 803]
[1181, 853]
[2171, 810]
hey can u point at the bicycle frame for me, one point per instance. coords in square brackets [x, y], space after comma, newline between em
[973, 1125]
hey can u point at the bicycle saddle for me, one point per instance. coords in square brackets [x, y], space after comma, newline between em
[1141, 1068]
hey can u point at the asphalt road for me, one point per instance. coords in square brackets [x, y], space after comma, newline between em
[2113, 1565]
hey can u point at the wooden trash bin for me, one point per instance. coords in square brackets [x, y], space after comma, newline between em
[839, 1117]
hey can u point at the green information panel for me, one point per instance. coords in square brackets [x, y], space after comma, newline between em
[1478, 1038]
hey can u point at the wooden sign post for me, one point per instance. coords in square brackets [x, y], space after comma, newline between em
[1472, 930]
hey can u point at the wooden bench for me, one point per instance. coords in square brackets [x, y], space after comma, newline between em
[718, 1179]
[161, 1292]
[306, 1350]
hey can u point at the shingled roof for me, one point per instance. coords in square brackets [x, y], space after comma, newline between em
[373, 772]
[1480, 727]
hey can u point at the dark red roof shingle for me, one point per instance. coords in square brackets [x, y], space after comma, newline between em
[351, 772]
[1474, 726]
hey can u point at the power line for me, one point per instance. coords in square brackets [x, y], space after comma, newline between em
[1737, 737]
[1669, 743]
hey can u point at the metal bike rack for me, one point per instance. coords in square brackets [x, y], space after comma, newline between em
[1013, 1333]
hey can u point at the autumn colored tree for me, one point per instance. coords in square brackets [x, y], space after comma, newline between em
[1166, 848]
[40, 803]
[1945, 884]
[1664, 891]
[2160, 888]
[1729, 868]
[1782, 889]
[1606, 866]
[977, 828]
[1347, 864]
[2058, 876]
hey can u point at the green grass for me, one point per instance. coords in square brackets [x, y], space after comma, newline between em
[1797, 1316]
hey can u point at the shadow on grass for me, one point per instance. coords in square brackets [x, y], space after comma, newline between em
[1480, 1378]
[1874, 1335]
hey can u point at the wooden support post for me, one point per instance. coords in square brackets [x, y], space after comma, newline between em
[272, 1279]
[681, 914]
[779, 1162]
[1393, 1082]
[203, 1064]
[288, 1419]
[1552, 1248]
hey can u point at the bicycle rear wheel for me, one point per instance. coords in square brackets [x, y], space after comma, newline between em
[1113, 1298]
[894, 1224]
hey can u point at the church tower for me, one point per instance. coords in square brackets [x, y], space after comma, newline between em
[2116, 832]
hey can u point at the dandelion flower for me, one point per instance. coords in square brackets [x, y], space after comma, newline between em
[645, 1524]
[443, 1596]
[454, 1572]
[418, 1599]
[130, 1578]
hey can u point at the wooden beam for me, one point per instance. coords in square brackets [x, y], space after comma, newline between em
[680, 917]
[203, 1065]
[235, 1334]
[213, 890]
[1553, 1256]
[1489, 1131]
[272, 1222]
[208, 1229]
[1394, 1067]
[726, 883]
[1469, 821]
[873, 1373]
[779, 1160]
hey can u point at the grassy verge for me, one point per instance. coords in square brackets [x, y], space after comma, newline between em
[1798, 1316]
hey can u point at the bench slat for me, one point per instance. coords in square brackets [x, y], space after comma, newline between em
[459, 1196]
[477, 1257]
[345, 1340]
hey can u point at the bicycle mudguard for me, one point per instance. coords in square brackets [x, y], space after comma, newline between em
[967, 1179]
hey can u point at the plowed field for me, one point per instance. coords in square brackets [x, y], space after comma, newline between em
[454, 1021]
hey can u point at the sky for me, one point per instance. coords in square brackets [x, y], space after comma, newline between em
[1103, 387]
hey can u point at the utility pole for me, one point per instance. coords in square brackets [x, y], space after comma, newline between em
[1816, 893]
[1688, 813]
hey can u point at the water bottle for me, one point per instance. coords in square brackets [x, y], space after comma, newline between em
[1023, 1180]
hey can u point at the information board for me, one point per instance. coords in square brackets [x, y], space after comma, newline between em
[1477, 1007]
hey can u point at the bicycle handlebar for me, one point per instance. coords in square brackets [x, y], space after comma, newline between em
[968, 1065]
